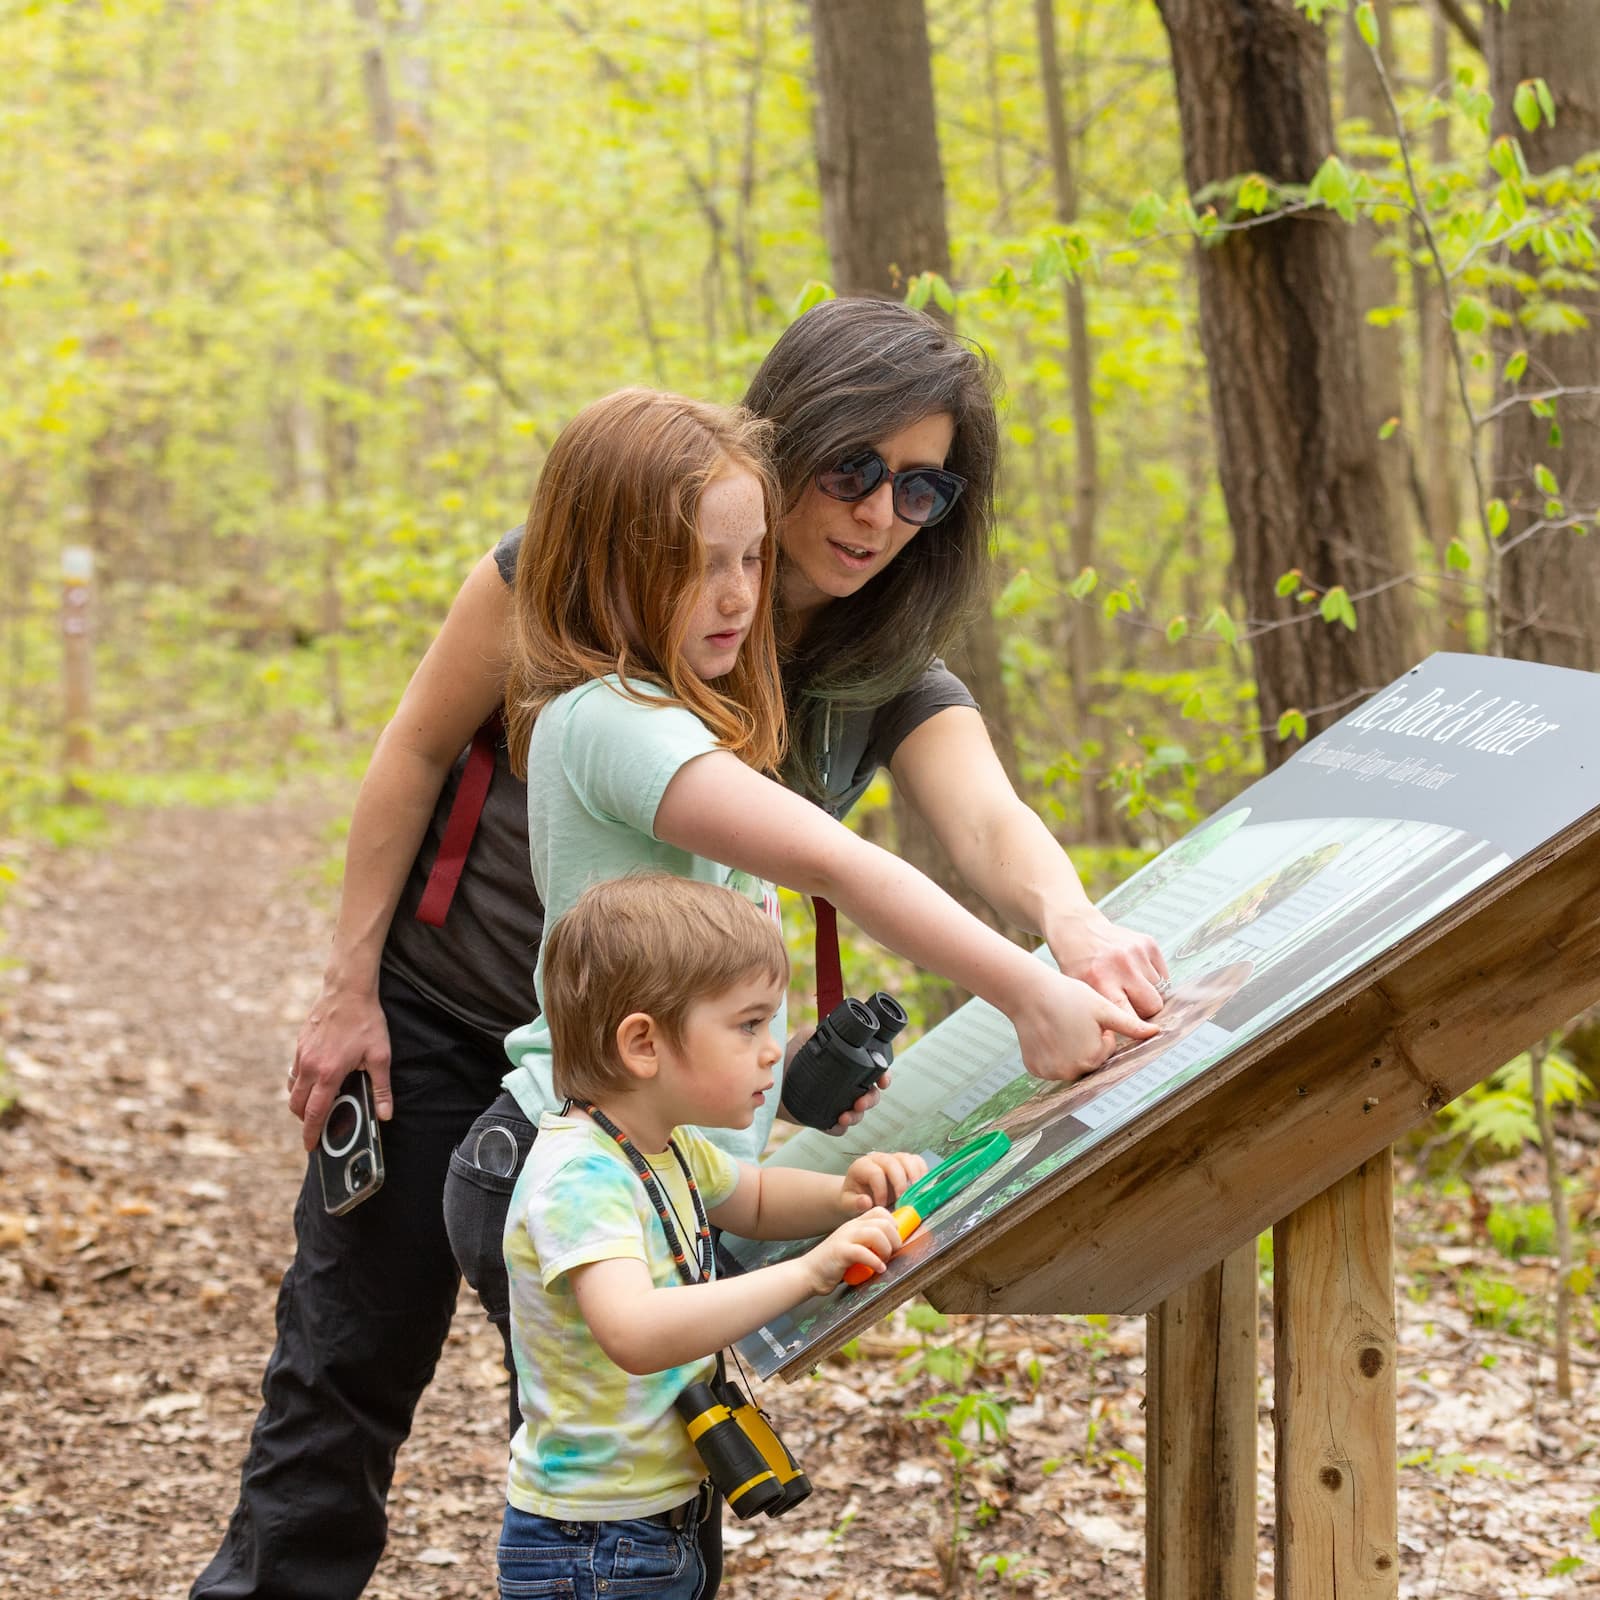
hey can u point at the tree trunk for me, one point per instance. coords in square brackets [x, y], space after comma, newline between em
[17, 572]
[997, 122]
[1376, 286]
[340, 455]
[882, 188]
[415, 101]
[877, 145]
[1297, 449]
[397, 219]
[1084, 643]
[713, 279]
[1278, 323]
[745, 236]
[399, 212]
[1439, 419]
[1551, 592]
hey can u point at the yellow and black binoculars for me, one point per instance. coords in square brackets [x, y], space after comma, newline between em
[743, 1455]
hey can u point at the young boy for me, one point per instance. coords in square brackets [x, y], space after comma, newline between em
[659, 992]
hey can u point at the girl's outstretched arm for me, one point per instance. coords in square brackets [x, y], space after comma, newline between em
[1008, 855]
[455, 687]
[717, 807]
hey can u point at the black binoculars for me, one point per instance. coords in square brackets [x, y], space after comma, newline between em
[743, 1455]
[849, 1052]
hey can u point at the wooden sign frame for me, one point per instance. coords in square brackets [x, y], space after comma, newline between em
[1292, 1132]
[1292, 1112]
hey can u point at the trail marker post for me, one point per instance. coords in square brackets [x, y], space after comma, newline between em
[77, 674]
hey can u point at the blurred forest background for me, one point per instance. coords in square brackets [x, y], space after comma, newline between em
[1296, 325]
[1295, 303]
[294, 298]
[1295, 319]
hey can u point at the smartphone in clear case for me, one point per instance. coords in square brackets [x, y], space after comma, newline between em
[350, 1154]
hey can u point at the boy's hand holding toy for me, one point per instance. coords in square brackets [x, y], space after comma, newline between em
[861, 1245]
[864, 1241]
[876, 1179]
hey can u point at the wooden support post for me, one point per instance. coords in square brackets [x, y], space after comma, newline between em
[77, 574]
[1334, 1408]
[1200, 1439]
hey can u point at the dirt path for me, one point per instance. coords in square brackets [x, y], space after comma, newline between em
[148, 1186]
[147, 1176]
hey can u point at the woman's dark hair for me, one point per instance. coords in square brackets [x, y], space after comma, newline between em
[848, 373]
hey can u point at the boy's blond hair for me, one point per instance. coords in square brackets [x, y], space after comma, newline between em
[648, 942]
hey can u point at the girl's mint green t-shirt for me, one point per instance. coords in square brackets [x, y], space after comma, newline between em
[598, 765]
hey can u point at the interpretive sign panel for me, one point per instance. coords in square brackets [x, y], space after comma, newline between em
[1427, 793]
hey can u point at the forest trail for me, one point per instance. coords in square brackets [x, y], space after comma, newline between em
[147, 1177]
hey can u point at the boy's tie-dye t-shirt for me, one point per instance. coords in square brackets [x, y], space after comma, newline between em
[597, 1444]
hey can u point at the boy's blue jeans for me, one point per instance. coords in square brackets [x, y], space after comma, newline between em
[542, 1559]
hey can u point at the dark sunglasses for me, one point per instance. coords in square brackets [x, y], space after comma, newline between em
[921, 496]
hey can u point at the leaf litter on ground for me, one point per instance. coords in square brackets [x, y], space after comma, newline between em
[149, 1166]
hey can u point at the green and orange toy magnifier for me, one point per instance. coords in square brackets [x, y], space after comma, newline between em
[933, 1189]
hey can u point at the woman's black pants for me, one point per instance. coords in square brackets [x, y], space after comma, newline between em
[362, 1315]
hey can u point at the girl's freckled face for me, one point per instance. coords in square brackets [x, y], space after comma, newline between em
[733, 530]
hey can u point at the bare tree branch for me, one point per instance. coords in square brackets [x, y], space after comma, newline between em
[485, 361]
[1455, 14]
[1524, 396]
[702, 195]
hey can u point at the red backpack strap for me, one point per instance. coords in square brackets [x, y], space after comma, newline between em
[460, 826]
[830, 976]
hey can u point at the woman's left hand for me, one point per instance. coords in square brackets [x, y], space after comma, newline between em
[1125, 966]
[862, 1106]
[856, 1112]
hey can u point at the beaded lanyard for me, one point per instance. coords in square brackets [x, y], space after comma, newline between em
[703, 1252]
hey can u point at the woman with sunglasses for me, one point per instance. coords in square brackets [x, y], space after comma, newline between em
[886, 452]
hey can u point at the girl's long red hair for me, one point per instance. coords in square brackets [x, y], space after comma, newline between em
[612, 561]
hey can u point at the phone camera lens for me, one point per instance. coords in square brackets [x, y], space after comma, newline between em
[342, 1127]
